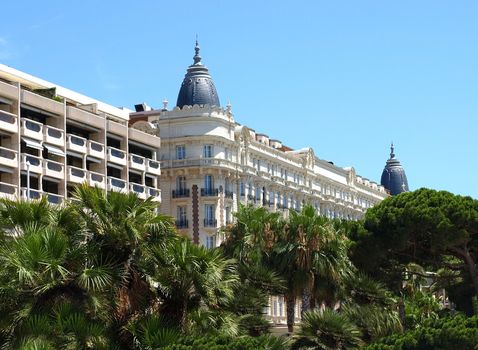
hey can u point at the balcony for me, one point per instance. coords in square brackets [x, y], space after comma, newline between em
[229, 194]
[210, 223]
[85, 117]
[116, 128]
[181, 193]
[31, 163]
[8, 90]
[96, 149]
[155, 193]
[282, 206]
[8, 157]
[41, 102]
[137, 162]
[182, 224]
[152, 166]
[53, 169]
[138, 189]
[209, 192]
[76, 175]
[76, 144]
[116, 156]
[115, 184]
[8, 191]
[53, 136]
[96, 180]
[31, 129]
[52, 198]
[8, 122]
[31, 193]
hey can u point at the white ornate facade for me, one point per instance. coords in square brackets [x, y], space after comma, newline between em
[210, 164]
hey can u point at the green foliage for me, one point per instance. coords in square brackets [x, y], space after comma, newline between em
[152, 332]
[456, 332]
[420, 307]
[108, 272]
[326, 330]
[434, 229]
[223, 342]
[91, 275]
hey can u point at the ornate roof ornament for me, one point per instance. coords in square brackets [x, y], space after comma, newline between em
[197, 87]
[394, 178]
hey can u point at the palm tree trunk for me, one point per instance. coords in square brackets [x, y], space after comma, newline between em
[313, 303]
[306, 296]
[290, 309]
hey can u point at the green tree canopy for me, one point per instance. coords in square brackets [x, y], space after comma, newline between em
[432, 228]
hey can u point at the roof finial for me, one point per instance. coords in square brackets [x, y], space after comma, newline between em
[197, 58]
[392, 149]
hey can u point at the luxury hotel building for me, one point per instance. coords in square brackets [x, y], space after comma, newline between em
[52, 138]
[210, 164]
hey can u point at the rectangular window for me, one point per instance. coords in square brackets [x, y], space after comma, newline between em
[227, 185]
[208, 182]
[227, 154]
[181, 183]
[258, 193]
[210, 242]
[228, 215]
[209, 211]
[207, 151]
[209, 215]
[181, 218]
[181, 214]
[243, 189]
[180, 152]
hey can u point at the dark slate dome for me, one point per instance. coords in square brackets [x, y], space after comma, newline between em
[197, 87]
[394, 178]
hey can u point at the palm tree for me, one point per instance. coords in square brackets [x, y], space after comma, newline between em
[333, 267]
[189, 278]
[251, 242]
[85, 252]
[253, 235]
[119, 228]
[46, 265]
[309, 248]
[371, 307]
[326, 330]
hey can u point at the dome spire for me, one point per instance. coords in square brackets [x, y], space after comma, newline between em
[197, 87]
[394, 178]
[197, 58]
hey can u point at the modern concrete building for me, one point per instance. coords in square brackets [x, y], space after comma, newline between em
[52, 138]
[211, 163]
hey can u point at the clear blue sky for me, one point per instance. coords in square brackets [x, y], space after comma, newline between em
[345, 77]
